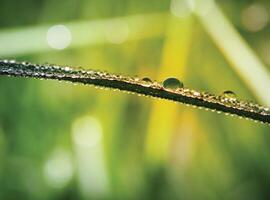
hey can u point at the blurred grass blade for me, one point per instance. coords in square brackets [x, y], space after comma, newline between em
[241, 57]
[174, 62]
[33, 40]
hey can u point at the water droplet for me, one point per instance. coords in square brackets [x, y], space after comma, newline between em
[264, 111]
[157, 85]
[136, 78]
[146, 81]
[229, 94]
[25, 63]
[172, 83]
[67, 69]
[196, 94]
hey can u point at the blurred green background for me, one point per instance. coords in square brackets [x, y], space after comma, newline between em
[64, 141]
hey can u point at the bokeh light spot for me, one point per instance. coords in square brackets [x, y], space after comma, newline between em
[86, 132]
[59, 37]
[58, 170]
[255, 17]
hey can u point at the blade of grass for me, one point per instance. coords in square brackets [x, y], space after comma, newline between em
[138, 86]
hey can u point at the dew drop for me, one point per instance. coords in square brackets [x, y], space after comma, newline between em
[25, 63]
[229, 94]
[146, 81]
[196, 94]
[172, 83]
[67, 69]
[136, 78]
[264, 111]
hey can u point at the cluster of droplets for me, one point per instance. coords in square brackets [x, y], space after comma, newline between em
[171, 85]
[227, 98]
[230, 99]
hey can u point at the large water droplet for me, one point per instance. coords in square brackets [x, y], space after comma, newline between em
[172, 83]
[229, 94]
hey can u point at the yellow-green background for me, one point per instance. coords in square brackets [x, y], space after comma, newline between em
[149, 148]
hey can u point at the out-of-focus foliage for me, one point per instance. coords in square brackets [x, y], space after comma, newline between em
[63, 141]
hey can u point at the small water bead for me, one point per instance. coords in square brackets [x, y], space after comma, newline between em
[146, 79]
[264, 111]
[67, 69]
[209, 97]
[136, 78]
[172, 83]
[114, 77]
[229, 95]
[26, 63]
[196, 94]
[146, 82]
[86, 72]
[11, 61]
[253, 107]
[126, 79]
[157, 85]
